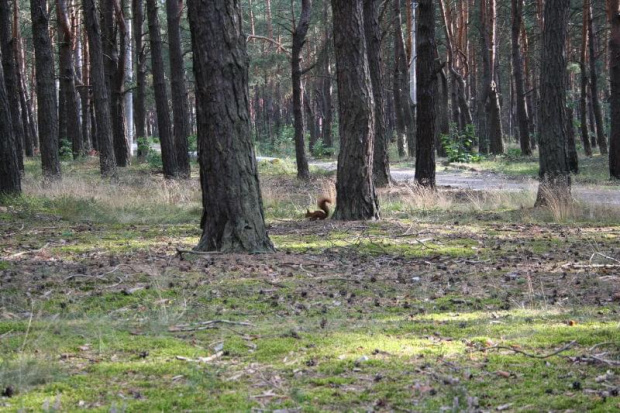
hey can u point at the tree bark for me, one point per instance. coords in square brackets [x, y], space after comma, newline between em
[614, 76]
[67, 79]
[354, 182]
[10, 176]
[372, 32]
[517, 70]
[47, 106]
[168, 152]
[180, 103]
[101, 99]
[233, 218]
[555, 179]
[426, 92]
[140, 59]
[9, 67]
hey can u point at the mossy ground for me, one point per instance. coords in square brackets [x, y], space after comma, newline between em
[447, 304]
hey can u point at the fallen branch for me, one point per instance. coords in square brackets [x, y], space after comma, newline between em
[536, 356]
[204, 325]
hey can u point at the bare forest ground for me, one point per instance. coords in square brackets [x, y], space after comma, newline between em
[459, 300]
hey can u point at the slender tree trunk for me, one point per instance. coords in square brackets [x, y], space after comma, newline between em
[233, 218]
[517, 68]
[10, 78]
[354, 182]
[10, 176]
[28, 127]
[299, 39]
[67, 79]
[583, 97]
[614, 76]
[180, 103]
[596, 103]
[555, 179]
[46, 89]
[103, 121]
[310, 117]
[168, 152]
[405, 116]
[85, 95]
[326, 84]
[372, 32]
[493, 107]
[426, 90]
[140, 59]
[442, 116]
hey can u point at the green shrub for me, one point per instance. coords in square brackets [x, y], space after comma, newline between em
[459, 146]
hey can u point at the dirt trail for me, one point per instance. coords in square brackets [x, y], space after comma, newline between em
[488, 181]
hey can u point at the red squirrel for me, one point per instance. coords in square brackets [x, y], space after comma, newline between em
[323, 213]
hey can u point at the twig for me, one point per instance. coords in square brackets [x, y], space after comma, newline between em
[604, 256]
[536, 356]
[19, 254]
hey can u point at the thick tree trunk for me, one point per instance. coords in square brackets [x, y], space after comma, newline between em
[10, 176]
[102, 135]
[46, 90]
[140, 59]
[10, 79]
[596, 103]
[426, 92]
[67, 79]
[180, 103]
[555, 179]
[354, 183]
[517, 70]
[233, 218]
[168, 152]
[614, 75]
[372, 32]
[299, 39]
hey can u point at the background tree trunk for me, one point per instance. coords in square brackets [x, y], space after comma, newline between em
[354, 183]
[233, 218]
[47, 107]
[101, 99]
[517, 70]
[583, 97]
[140, 59]
[426, 91]
[168, 152]
[614, 74]
[299, 39]
[180, 103]
[596, 103]
[67, 79]
[554, 184]
[372, 32]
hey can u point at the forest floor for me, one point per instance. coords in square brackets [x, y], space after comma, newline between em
[455, 301]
